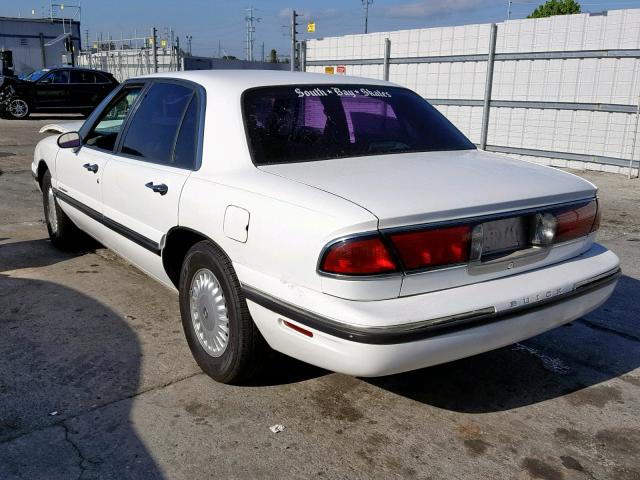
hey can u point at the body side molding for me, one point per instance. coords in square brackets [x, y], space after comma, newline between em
[126, 232]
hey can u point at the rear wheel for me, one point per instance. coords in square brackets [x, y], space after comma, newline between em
[18, 109]
[219, 329]
[62, 232]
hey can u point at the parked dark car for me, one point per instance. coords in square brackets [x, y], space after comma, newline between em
[55, 90]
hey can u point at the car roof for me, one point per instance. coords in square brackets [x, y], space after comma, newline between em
[79, 69]
[241, 80]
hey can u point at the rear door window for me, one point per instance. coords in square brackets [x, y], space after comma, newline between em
[82, 76]
[154, 129]
[101, 78]
[184, 155]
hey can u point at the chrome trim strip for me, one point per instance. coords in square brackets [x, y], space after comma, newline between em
[403, 333]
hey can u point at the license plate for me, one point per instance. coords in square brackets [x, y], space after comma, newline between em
[504, 235]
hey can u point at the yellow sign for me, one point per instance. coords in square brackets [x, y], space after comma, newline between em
[311, 27]
[328, 70]
[163, 43]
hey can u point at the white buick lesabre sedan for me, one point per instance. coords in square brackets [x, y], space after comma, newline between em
[342, 221]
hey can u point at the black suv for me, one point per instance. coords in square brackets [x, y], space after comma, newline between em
[55, 90]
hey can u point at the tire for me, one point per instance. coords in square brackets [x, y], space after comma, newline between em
[18, 109]
[207, 283]
[62, 231]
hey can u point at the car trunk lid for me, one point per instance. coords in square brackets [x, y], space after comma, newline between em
[415, 188]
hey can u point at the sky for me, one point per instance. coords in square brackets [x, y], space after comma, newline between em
[212, 23]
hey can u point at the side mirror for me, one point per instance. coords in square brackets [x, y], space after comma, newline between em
[70, 140]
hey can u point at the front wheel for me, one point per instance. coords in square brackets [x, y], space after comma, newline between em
[62, 232]
[18, 109]
[217, 324]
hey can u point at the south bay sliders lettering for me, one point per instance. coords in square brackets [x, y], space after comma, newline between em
[340, 92]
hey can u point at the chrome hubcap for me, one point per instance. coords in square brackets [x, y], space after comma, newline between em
[18, 108]
[51, 211]
[209, 312]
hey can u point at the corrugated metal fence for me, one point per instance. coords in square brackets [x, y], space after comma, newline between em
[562, 91]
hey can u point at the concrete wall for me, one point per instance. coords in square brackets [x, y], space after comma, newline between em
[23, 37]
[612, 76]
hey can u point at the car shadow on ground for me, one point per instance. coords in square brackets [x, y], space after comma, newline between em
[563, 361]
[40, 253]
[282, 370]
[64, 354]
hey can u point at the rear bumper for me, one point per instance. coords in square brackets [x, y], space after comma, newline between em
[392, 336]
[412, 332]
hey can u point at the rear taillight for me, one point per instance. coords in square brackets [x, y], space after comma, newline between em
[577, 222]
[358, 256]
[427, 248]
[434, 247]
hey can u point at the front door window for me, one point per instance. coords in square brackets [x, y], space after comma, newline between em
[105, 132]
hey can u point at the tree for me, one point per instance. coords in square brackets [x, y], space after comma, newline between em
[273, 56]
[556, 7]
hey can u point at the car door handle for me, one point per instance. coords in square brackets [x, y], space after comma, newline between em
[92, 168]
[161, 188]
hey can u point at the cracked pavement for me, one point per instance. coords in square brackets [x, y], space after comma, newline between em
[91, 339]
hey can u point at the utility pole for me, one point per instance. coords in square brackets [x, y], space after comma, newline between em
[189, 38]
[178, 63]
[154, 41]
[249, 18]
[365, 4]
[86, 42]
[219, 49]
[509, 9]
[262, 52]
[294, 24]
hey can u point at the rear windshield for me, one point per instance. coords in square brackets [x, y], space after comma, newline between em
[316, 122]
